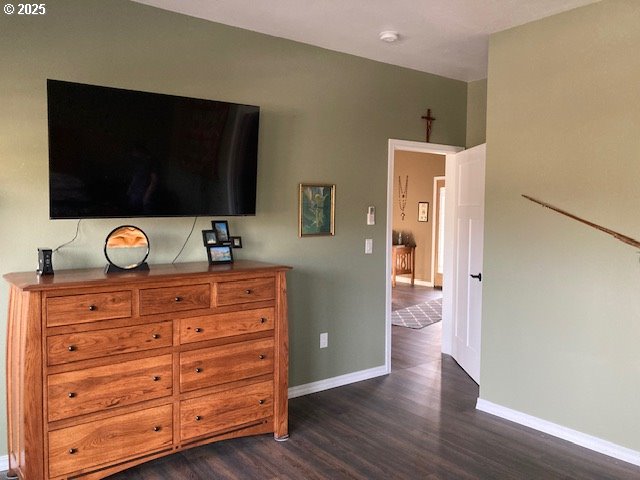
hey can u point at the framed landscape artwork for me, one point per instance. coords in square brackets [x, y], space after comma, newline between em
[316, 209]
[219, 254]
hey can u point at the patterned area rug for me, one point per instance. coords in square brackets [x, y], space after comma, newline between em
[418, 316]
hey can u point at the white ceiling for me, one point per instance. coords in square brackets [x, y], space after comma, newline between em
[445, 37]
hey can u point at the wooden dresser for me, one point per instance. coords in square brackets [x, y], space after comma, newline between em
[108, 371]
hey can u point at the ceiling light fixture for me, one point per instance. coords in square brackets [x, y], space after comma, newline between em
[389, 36]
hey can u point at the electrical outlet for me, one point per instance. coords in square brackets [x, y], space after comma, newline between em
[324, 340]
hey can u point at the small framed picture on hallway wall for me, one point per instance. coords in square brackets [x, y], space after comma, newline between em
[423, 211]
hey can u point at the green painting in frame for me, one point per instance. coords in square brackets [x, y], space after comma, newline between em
[316, 210]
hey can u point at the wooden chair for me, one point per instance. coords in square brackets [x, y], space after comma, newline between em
[403, 261]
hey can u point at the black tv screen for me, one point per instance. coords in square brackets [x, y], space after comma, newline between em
[124, 153]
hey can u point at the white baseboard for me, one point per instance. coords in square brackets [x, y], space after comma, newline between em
[4, 463]
[584, 440]
[339, 381]
[423, 283]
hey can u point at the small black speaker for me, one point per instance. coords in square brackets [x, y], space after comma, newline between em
[45, 265]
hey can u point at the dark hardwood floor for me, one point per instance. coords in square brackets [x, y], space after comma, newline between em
[413, 347]
[419, 422]
[404, 295]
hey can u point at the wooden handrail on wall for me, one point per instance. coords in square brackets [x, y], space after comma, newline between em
[623, 238]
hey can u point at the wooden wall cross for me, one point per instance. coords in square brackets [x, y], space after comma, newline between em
[429, 120]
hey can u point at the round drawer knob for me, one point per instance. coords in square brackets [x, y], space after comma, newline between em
[248, 291]
[157, 429]
[261, 357]
[263, 320]
[197, 329]
[198, 418]
[73, 451]
[71, 395]
[155, 336]
[261, 402]
[156, 378]
[92, 308]
[72, 348]
[178, 299]
[198, 370]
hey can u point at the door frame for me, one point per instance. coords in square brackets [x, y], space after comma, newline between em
[434, 229]
[420, 147]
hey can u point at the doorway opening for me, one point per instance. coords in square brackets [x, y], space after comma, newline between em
[418, 209]
[416, 308]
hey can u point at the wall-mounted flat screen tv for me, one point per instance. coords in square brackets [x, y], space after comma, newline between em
[124, 153]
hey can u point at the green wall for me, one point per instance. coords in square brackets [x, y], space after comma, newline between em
[561, 310]
[476, 113]
[326, 117]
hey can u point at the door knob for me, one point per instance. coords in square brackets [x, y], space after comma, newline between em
[477, 277]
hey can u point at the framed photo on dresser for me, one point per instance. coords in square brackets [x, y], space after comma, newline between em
[221, 227]
[220, 254]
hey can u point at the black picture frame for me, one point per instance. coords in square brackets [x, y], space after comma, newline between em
[221, 228]
[209, 237]
[218, 254]
[236, 242]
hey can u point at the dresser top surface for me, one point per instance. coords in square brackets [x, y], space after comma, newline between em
[89, 276]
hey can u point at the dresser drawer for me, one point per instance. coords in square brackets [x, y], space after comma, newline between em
[174, 299]
[243, 291]
[101, 388]
[91, 444]
[226, 363]
[100, 343]
[226, 410]
[89, 307]
[197, 329]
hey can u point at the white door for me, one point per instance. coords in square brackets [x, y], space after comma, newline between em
[468, 235]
